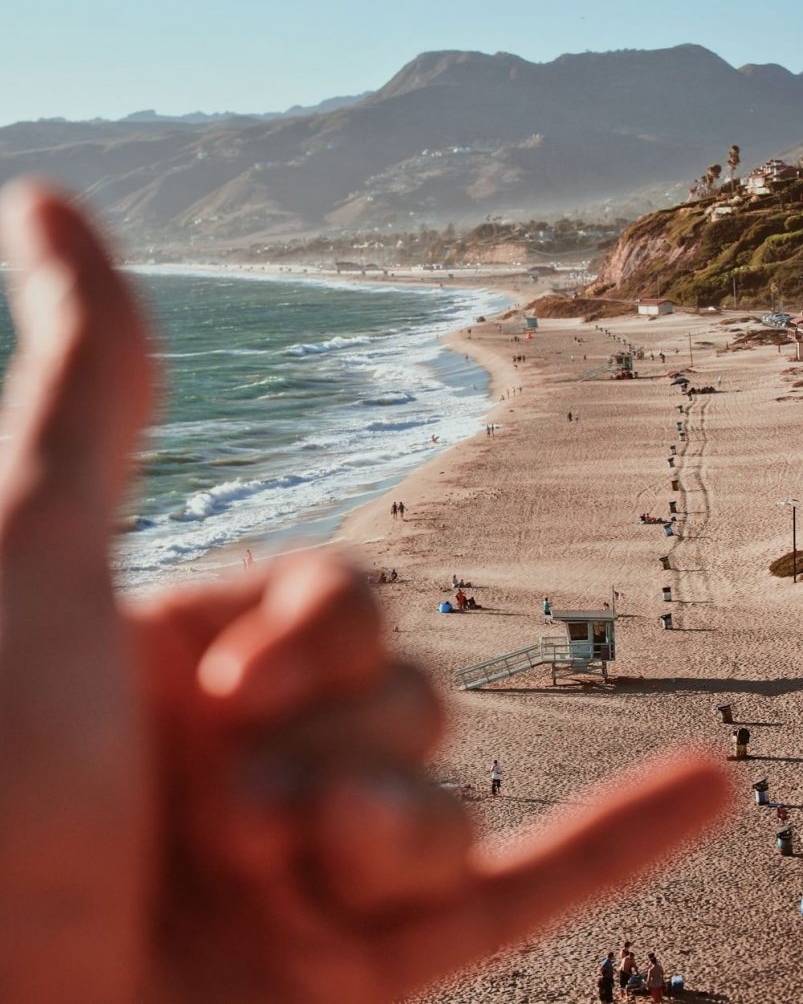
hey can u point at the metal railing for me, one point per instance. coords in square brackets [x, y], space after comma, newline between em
[549, 650]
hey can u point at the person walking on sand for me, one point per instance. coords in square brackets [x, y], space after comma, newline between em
[394, 510]
[496, 778]
[401, 510]
[655, 977]
[547, 608]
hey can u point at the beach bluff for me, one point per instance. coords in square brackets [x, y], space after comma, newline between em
[736, 247]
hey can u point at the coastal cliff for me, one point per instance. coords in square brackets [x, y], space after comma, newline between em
[714, 252]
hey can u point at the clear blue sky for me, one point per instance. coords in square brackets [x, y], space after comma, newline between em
[106, 58]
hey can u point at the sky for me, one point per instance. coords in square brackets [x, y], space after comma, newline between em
[96, 58]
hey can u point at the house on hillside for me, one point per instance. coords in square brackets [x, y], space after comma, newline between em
[761, 179]
[653, 308]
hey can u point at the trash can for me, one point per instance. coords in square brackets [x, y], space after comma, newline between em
[665, 563]
[668, 530]
[667, 594]
[673, 449]
[675, 485]
[761, 789]
[679, 426]
[676, 986]
[670, 461]
[783, 841]
[666, 621]
[682, 437]
[680, 408]
[673, 506]
[725, 713]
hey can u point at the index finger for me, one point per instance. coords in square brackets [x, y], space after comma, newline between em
[73, 759]
[79, 385]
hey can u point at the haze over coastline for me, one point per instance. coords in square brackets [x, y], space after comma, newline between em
[181, 57]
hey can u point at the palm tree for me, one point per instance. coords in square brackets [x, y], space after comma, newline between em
[733, 162]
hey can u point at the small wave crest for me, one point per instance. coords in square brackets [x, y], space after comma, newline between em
[216, 500]
[380, 426]
[330, 345]
[212, 501]
[386, 400]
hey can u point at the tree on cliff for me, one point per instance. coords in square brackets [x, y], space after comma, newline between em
[734, 160]
[704, 185]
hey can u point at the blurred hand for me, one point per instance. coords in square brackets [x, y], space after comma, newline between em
[218, 796]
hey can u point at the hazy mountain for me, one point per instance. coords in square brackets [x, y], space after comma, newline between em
[452, 136]
[150, 116]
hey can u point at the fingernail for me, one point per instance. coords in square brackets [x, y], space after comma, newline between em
[46, 293]
[25, 239]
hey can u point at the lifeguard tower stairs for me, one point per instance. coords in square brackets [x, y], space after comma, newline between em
[587, 647]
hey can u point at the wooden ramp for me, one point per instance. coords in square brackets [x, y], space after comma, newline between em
[564, 657]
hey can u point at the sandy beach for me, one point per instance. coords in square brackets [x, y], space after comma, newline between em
[547, 506]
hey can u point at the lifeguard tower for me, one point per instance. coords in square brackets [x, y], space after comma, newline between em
[589, 644]
[622, 366]
[587, 647]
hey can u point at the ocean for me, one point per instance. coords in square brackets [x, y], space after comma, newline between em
[288, 403]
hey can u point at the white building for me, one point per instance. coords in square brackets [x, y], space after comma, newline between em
[652, 308]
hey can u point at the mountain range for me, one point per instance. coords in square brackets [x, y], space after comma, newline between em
[452, 137]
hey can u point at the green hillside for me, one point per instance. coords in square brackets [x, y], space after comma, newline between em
[714, 252]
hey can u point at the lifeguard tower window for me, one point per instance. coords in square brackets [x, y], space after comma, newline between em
[579, 632]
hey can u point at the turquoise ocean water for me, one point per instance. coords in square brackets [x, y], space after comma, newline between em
[290, 403]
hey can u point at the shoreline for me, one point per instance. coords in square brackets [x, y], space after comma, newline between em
[227, 559]
[551, 507]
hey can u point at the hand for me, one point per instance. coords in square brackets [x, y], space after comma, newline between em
[218, 796]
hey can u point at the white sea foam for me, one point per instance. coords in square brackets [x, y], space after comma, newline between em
[334, 344]
[349, 456]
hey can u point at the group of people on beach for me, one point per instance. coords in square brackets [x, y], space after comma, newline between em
[630, 978]
[397, 510]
